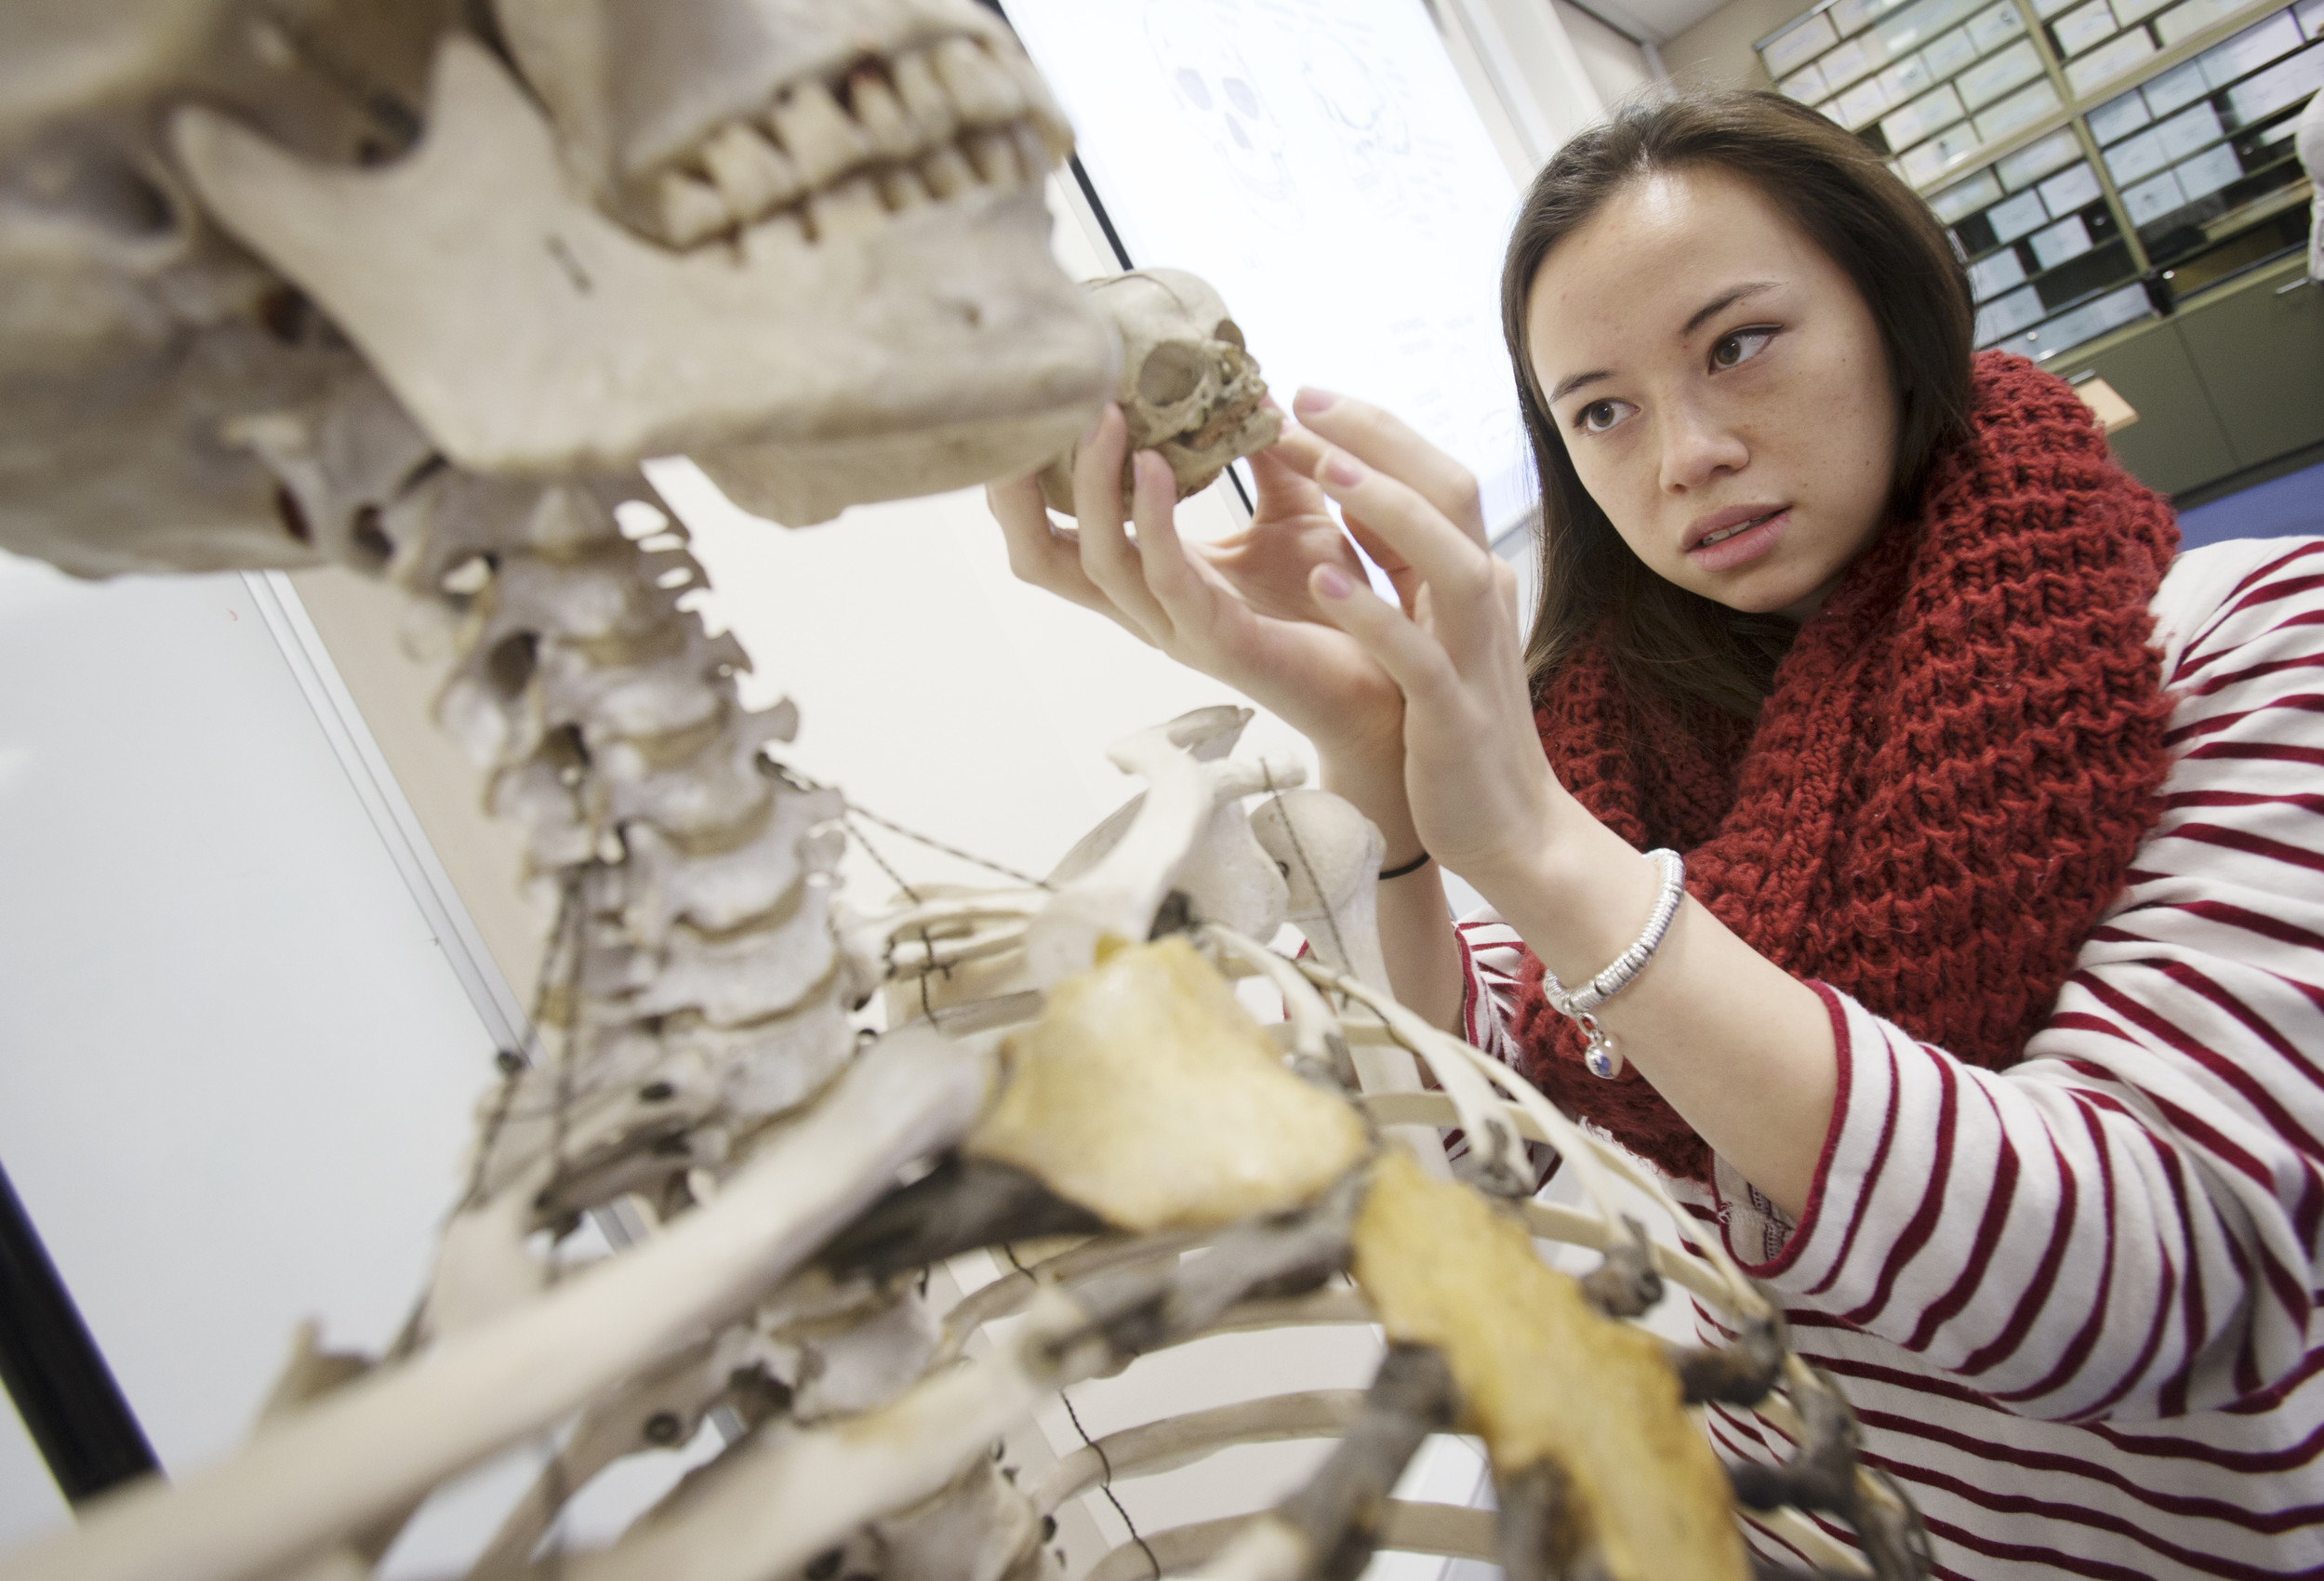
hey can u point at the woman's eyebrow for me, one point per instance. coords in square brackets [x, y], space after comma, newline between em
[1574, 381]
[1720, 303]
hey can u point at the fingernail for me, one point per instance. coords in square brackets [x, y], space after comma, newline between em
[1331, 582]
[1309, 402]
[1343, 469]
[1090, 435]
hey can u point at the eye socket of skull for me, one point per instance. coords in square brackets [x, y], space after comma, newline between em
[1230, 331]
[1172, 372]
[95, 183]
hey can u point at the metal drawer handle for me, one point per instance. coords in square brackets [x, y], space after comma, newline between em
[2290, 286]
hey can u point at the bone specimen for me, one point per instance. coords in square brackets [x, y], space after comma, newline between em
[1146, 1094]
[801, 241]
[1189, 388]
[1562, 1398]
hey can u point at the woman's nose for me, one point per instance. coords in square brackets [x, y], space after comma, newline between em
[1697, 445]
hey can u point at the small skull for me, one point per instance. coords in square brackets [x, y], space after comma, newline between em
[1188, 388]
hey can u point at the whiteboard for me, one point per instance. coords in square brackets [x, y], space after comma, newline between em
[1321, 164]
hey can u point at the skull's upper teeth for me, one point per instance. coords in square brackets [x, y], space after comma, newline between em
[924, 98]
[931, 124]
[885, 124]
[688, 209]
[817, 133]
[977, 83]
[752, 174]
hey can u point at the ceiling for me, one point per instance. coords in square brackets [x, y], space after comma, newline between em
[1651, 21]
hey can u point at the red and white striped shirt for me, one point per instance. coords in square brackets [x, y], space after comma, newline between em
[2076, 1304]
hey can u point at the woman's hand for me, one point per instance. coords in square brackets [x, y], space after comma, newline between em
[1241, 610]
[1482, 796]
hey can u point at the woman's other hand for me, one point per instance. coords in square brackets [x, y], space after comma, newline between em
[1242, 610]
[1482, 796]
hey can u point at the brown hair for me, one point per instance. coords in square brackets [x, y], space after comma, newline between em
[1696, 652]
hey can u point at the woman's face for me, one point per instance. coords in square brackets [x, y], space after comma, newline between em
[1721, 389]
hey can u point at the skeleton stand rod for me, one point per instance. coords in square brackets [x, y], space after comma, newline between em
[388, 1440]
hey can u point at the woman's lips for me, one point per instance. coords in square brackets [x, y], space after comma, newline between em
[1745, 546]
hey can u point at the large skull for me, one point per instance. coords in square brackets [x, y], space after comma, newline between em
[802, 241]
[1188, 388]
[145, 358]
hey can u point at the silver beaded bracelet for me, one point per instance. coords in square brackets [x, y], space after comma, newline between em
[1577, 1003]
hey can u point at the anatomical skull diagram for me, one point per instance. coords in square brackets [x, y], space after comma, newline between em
[412, 287]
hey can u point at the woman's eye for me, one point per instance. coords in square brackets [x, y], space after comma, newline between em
[1599, 416]
[1740, 347]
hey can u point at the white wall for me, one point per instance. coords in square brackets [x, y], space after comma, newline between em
[1617, 66]
[235, 1065]
[1516, 58]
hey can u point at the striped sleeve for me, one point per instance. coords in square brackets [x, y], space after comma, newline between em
[2126, 1224]
[1490, 954]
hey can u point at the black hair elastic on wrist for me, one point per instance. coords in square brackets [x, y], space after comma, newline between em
[1412, 867]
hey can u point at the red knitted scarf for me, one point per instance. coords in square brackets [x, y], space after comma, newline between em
[1960, 756]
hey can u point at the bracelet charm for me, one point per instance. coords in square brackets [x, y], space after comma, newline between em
[1577, 1004]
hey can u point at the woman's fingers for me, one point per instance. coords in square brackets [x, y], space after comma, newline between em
[1286, 478]
[1038, 553]
[1109, 559]
[1415, 659]
[1296, 448]
[1384, 443]
[1381, 554]
[1456, 566]
[1153, 505]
